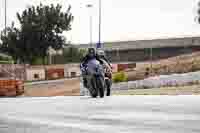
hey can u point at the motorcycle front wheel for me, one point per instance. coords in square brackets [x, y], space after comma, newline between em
[93, 88]
[100, 86]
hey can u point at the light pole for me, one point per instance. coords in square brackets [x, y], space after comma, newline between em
[99, 43]
[89, 6]
[5, 16]
[151, 58]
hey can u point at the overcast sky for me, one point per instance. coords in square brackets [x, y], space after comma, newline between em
[122, 19]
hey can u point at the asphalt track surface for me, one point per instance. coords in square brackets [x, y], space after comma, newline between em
[116, 114]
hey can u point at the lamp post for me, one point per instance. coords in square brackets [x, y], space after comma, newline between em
[89, 6]
[99, 43]
[5, 2]
[151, 58]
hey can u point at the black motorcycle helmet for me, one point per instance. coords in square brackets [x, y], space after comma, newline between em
[91, 52]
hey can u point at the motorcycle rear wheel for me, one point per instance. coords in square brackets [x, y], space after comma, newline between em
[108, 84]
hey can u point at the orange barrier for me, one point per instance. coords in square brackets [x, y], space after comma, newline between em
[9, 87]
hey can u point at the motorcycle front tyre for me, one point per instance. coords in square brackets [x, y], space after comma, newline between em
[100, 85]
[93, 90]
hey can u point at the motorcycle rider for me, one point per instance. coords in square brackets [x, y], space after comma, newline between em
[99, 55]
[108, 68]
[90, 55]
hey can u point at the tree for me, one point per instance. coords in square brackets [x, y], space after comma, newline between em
[41, 27]
[11, 44]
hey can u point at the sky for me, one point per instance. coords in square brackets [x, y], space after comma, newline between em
[122, 20]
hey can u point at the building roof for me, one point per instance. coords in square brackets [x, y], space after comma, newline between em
[142, 44]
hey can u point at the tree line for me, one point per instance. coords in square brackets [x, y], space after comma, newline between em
[41, 28]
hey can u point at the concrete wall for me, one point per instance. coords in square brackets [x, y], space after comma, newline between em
[35, 74]
[142, 44]
[54, 73]
[72, 70]
[136, 51]
[137, 55]
[12, 71]
[29, 72]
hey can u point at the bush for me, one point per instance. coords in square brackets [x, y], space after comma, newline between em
[120, 77]
[6, 60]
